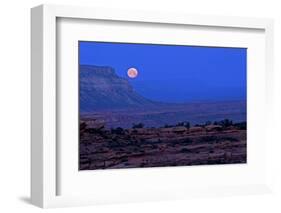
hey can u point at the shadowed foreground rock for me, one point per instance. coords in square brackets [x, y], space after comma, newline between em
[158, 147]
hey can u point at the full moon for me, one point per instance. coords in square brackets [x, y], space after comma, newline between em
[132, 72]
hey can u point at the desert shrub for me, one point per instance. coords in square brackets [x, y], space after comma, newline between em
[167, 126]
[139, 125]
[185, 124]
[180, 124]
[118, 131]
[208, 123]
[241, 125]
[225, 123]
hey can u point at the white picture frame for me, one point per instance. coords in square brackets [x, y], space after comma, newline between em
[45, 170]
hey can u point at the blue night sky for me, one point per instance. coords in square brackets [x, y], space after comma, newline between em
[171, 73]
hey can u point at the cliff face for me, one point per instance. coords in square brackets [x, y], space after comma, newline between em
[101, 89]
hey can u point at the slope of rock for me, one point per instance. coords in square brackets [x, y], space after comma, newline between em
[101, 88]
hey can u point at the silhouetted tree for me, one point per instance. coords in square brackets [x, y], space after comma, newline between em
[180, 124]
[208, 123]
[187, 124]
[139, 125]
[118, 130]
[226, 123]
[167, 126]
[241, 125]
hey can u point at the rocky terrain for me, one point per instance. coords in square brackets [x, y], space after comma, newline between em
[119, 128]
[182, 145]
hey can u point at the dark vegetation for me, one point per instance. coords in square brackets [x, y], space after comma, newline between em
[224, 124]
[139, 125]
[180, 144]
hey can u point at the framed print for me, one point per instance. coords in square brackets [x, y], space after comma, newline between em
[149, 106]
[161, 105]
